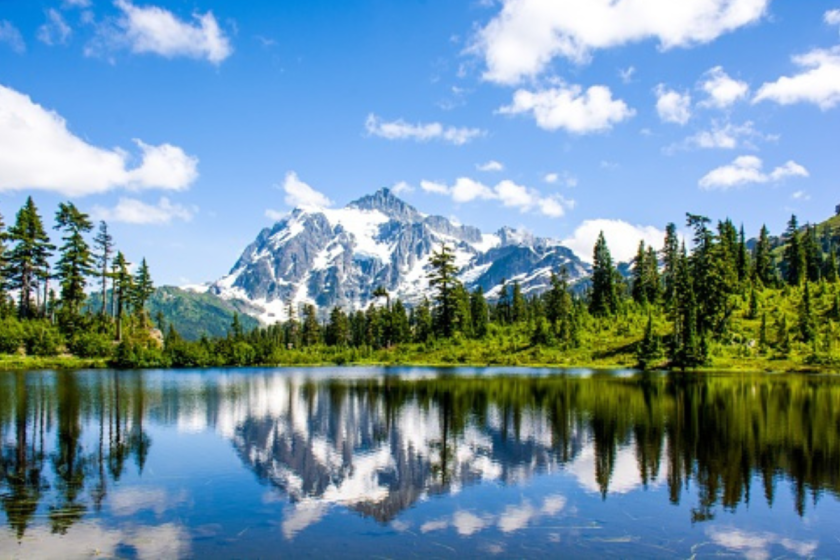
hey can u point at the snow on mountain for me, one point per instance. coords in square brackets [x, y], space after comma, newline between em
[332, 257]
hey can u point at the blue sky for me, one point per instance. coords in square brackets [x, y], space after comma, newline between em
[189, 126]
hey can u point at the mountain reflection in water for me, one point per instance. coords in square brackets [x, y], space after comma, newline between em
[377, 443]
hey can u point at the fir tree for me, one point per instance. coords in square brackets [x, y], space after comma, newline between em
[338, 331]
[743, 256]
[762, 260]
[603, 300]
[670, 258]
[830, 270]
[517, 311]
[794, 257]
[310, 329]
[400, 329]
[423, 325]
[76, 261]
[652, 281]
[807, 327]
[123, 287]
[104, 245]
[142, 291]
[639, 289]
[813, 255]
[648, 352]
[27, 260]
[442, 279]
[479, 313]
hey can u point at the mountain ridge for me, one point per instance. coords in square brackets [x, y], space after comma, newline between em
[331, 257]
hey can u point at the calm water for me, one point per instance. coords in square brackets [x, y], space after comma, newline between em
[417, 463]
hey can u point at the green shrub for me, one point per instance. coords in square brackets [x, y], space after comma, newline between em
[91, 345]
[11, 335]
[42, 339]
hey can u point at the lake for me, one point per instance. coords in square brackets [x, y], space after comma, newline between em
[418, 462]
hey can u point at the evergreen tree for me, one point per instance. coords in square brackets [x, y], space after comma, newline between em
[639, 290]
[517, 311]
[27, 260]
[310, 329]
[442, 279]
[762, 260]
[794, 256]
[830, 270]
[236, 333]
[463, 313]
[652, 280]
[807, 327]
[423, 325]
[762, 333]
[123, 287]
[479, 313]
[3, 263]
[142, 291]
[338, 330]
[104, 245]
[648, 351]
[813, 255]
[503, 306]
[75, 262]
[670, 258]
[603, 300]
[743, 257]
[400, 329]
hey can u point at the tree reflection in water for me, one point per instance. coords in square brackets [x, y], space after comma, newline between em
[378, 443]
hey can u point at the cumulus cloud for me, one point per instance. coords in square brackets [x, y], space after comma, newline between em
[133, 211]
[722, 91]
[818, 83]
[622, 238]
[75, 4]
[723, 135]
[524, 38]
[420, 132]
[154, 30]
[491, 165]
[569, 108]
[275, 215]
[672, 106]
[38, 151]
[55, 31]
[746, 170]
[757, 546]
[10, 35]
[299, 194]
[565, 178]
[832, 17]
[508, 193]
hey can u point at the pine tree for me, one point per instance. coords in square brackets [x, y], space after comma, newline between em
[762, 333]
[236, 333]
[479, 313]
[442, 279]
[337, 332]
[670, 258]
[423, 325]
[830, 269]
[142, 291]
[310, 329]
[813, 255]
[104, 245]
[28, 258]
[743, 256]
[603, 300]
[517, 312]
[762, 260]
[807, 327]
[75, 262]
[648, 352]
[794, 257]
[123, 287]
[639, 289]
[400, 329]
[652, 281]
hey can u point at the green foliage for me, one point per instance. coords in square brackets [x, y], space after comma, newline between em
[42, 338]
[11, 335]
[91, 344]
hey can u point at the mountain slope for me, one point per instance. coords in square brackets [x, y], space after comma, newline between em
[339, 257]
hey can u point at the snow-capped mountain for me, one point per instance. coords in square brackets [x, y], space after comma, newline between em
[340, 256]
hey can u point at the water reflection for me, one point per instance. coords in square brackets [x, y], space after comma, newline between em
[377, 444]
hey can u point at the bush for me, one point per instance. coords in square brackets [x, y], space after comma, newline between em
[91, 345]
[11, 336]
[42, 339]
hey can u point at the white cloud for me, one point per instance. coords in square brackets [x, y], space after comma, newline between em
[510, 194]
[832, 17]
[746, 170]
[10, 35]
[672, 106]
[467, 523]
[723, 135]
[55, 31]
[515, 518]
[158, 31]
[402, 188]
[801, 195]
[756, 546]
[37, 151]
[622, 238]
[133, 211]
[721, 89]
[626, 74]
[75, 4]
[299, 194]
[420, 132]
[565, 178]
[818, 83]
[491, 165]
[523, 39]
[570, 108]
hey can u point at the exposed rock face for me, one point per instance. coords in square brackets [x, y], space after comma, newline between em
[339, 257]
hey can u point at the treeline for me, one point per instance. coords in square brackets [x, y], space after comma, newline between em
[679, 308]
[37, 320]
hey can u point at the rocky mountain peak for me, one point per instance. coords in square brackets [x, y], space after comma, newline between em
[385, 201]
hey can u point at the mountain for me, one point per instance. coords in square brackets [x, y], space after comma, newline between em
[338, 257]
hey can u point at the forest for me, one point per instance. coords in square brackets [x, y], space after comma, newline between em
[715, 300]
